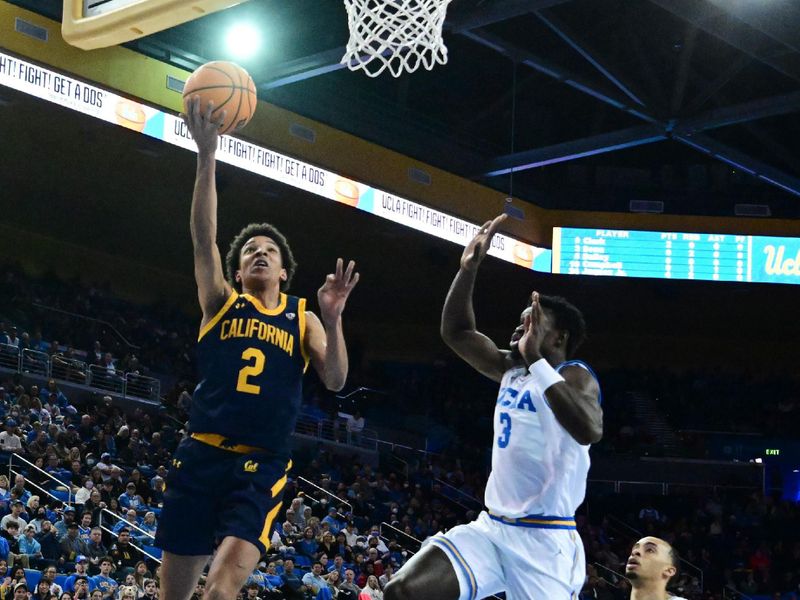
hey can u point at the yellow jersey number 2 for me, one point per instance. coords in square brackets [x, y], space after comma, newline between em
[250, 370]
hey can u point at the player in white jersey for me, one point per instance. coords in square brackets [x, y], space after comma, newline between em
[547, 414]
[653, 563]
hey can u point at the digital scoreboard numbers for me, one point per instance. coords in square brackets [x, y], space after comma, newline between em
[673, 255]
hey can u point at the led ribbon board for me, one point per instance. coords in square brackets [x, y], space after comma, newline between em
[671, 255]
[90, 24]
[112, 108]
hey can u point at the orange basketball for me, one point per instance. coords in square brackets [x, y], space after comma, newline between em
[229, 87]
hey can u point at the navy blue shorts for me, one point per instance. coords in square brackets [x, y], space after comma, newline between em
[213, 493]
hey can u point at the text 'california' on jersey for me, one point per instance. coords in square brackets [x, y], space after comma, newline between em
[251, 362]
[537, 466]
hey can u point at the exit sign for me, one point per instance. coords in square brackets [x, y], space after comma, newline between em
[772, 452]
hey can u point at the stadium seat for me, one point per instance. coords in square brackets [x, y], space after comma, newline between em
[32, 577]
[152, 550]
[60, 580]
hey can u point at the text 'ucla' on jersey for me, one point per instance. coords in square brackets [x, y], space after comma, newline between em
[537, 466]
[251, 362]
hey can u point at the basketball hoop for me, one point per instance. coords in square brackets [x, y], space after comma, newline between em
[399, 35]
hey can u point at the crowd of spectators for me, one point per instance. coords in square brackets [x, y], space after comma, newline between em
[112, 465]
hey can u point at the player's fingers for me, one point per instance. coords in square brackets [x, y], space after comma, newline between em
[339, 264]
[209, 109]
[194, 105]
[348, 273]
[353, 281]
[484, 228]
[219, 121]
[494, 224]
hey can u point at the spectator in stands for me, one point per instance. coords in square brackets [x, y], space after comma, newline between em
[81, 565]
[43, 590]
[388, 572]
[49, 574]
[332, 519]
[12, 535]
[48, 540]
[39, 446]
[130, 519]
[19, 488]
[30, 549]
[67, 519]
[80, 588]
[21, 591]
[327, 545]
[16, 512]
[104, 582]
[150, 590]
[9, 440]
[351, 534]
[65, 596]
[124, 553]
[96, 550]
[13, 340]
[354, 426]
[307, 546]
[130, 499]
[349, 586]
[85, 526]
[292, 587]
[372, 589]
[314, 582]
[140, 575]
[73, 548]
[84, 492]
[149, 526]
[338, 566]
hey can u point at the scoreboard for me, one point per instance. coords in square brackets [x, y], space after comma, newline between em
[674, 255]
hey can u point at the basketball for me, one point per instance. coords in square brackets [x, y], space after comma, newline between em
[229, 87]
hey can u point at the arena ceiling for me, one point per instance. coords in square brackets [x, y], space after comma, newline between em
[690, 102]
[108, 190]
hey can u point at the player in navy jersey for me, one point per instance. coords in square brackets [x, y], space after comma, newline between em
[225, 487]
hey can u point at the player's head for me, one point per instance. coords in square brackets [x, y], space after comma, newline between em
[255, 243]
[564, 326]
[652, 561]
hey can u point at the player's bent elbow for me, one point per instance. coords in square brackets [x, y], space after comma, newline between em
[397, 589]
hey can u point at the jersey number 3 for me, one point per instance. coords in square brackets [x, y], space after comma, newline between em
[505, 435]
[253, 370]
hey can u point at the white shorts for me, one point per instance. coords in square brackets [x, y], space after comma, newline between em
[525, 562]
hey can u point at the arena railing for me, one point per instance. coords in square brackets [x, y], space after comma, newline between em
[12, 473]
[729, 593]
[124, 341]
[332, 430]
[339, 501]
[608, 581]
[96, 377]
[476, 502]
[132, 526]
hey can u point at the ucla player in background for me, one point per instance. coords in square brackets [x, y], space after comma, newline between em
[547, 414]
[652, 565]
[225, 486]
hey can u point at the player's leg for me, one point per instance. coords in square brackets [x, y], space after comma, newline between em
[179, 575]
[429, 574]
[233, 563]
[545, 563]
[463, 564]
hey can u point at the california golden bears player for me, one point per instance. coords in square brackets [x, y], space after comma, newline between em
[546, 416]
[225, 487]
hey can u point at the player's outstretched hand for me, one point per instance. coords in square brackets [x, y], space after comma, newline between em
[333, 294]
[478, 246]
[202, 125]
[530, 344]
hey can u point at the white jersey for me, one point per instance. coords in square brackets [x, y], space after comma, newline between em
[537, 467]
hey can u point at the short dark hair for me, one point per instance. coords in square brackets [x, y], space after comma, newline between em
[676, 562]
[252, 230]
[568, 318]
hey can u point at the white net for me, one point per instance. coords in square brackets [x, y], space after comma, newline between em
[398, 35]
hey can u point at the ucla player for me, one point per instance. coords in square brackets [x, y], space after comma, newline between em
[652, 565]
[547, 414]
[226, 483]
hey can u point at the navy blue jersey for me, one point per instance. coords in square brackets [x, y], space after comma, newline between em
[251, 362]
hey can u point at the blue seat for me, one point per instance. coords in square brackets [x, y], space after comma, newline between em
[152, 550]
[62, 495]
[301, 561]
[60, 580]
[32, 577]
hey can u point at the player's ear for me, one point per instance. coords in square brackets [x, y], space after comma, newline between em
[284, 275]
[238, 276]
[670, 571]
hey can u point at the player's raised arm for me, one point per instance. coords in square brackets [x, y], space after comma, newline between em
[326, 343]
[458, 316]
[573, 394]
[212, 289]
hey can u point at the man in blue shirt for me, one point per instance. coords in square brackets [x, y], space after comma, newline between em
[334, 524]
[292, 586]
[104, 582]
[81, 563]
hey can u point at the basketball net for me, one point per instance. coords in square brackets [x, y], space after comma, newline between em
[398, 35]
